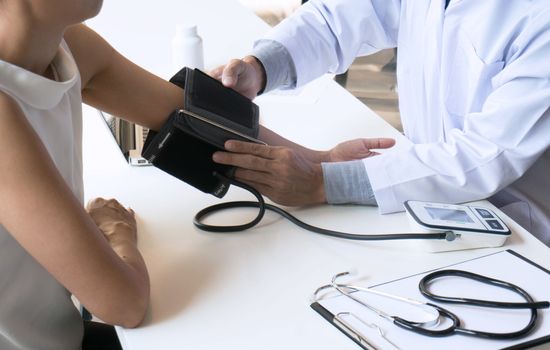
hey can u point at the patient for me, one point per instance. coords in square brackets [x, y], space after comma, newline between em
[50, 246]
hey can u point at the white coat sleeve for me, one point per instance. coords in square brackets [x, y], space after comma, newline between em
[496, 146]
[326, 36]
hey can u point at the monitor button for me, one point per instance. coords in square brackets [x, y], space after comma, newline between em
[495, 225]
[484, 213]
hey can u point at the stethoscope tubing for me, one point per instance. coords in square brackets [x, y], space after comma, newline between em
[529, 304]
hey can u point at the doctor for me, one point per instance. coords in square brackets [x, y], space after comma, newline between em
[474, 96]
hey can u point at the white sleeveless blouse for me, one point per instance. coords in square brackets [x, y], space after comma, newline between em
[36, 311]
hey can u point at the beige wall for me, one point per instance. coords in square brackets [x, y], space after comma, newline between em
[273, 11]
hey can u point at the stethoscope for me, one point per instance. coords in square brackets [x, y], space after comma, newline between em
[435, 314]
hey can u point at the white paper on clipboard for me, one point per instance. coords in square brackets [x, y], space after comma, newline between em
[503, 265]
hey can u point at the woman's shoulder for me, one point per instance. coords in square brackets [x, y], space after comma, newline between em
[8, 105]
[90, 51]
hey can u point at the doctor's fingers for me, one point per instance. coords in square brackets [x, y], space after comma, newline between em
[264, 151]
[245, 161]
[255, 177]
[216, 73]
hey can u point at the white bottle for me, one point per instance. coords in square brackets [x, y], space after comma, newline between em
[187, 48]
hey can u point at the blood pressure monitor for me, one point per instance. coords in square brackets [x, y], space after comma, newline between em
[471, 226]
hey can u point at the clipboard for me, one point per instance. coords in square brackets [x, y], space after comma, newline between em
[506, 265]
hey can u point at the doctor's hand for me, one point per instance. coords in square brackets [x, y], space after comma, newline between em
[358, 149]
[246, 76]
[292, 176]
[284, 175]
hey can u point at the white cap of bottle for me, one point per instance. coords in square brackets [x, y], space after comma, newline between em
[187, 48]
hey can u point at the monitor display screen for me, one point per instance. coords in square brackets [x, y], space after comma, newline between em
[449, 215]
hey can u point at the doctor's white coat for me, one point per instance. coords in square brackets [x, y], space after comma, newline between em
[474, 94]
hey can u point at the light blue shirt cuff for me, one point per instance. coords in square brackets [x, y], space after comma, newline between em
[278, 64]
[347, 183]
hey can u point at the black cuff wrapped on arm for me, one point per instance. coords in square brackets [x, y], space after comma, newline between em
[212, 115]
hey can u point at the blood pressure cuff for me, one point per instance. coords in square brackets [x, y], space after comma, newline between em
[213, 114]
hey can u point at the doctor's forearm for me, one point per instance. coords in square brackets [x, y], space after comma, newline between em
[279, 68]
[347, 183]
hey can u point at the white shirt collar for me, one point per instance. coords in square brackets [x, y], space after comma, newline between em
[36, 90]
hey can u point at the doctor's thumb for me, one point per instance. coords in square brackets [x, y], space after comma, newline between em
[228, 80]
[363, 148]
[378, 143]
[230, 74]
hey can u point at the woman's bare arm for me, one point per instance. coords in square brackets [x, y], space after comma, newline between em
[112, 83]
[43, 215]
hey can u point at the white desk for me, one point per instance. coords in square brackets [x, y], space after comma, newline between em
[246, 290]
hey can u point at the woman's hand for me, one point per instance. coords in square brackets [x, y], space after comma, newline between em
[291, 175]
[116, 222]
